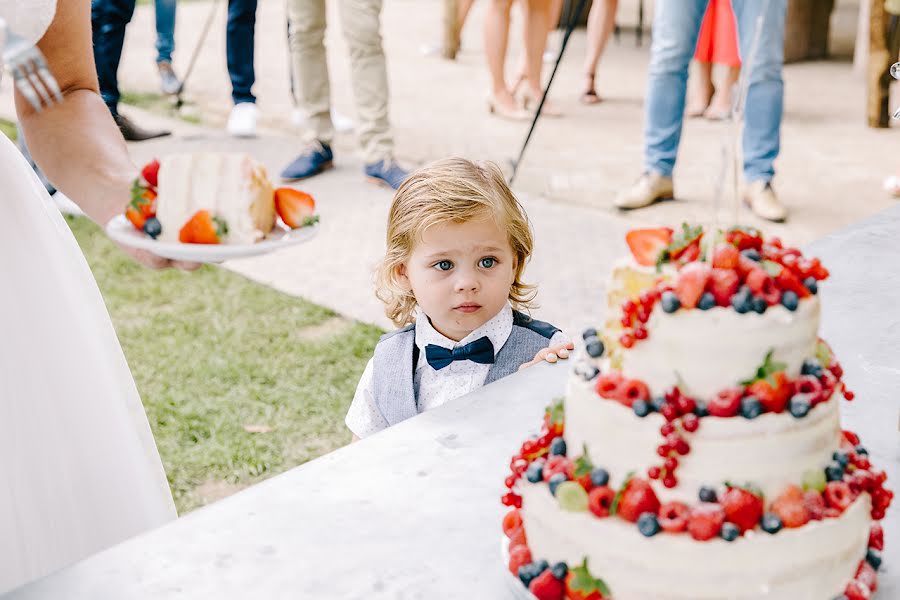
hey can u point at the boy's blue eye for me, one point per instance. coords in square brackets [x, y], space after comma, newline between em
[487, 263]
[444, 265]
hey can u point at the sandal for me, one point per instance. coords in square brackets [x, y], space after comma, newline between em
[589, 96]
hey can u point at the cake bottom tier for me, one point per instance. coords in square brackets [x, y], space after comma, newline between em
[813, 562]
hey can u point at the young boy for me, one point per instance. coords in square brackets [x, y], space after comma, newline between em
[457, 244]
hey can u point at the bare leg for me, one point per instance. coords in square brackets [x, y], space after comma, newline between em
[601, 22]
[496, 38]
[462, 13]
[701, 90]
[537, 16]
[720, 106]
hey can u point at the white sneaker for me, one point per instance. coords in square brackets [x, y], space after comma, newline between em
[242, 121]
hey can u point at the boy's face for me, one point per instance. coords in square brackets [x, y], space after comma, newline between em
[461, 274]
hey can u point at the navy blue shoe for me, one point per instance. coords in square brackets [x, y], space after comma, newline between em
[386, 172]
[313, 161]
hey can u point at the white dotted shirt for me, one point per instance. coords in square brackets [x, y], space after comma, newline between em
[435, 387]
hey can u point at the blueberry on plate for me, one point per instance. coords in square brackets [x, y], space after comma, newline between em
[751, 407]
[752, 254]
[641, 408]
[594, 346]
[759, 305]
[558, 446]
[535, 472]
[152, 227]
[559, 570]
[589, 332]
[771, 523]
[707, 301]
[812, 285]
[648, 524]
[730, 532]
[873, 557]
[742, 301]
[599, 476]
[555, 481]
[670, 302]
[811, 366]
[708, 494]
[834, 472]
[799, 406]
[790, 300]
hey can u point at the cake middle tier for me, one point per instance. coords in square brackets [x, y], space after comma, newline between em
[771, 451]
[706, 351]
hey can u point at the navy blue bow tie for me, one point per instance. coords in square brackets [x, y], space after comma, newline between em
[480, 351]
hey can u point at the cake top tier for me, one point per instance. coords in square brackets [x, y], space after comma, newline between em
[705, 311]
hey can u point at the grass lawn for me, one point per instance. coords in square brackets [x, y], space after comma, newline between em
[8, 128]
[240, 382]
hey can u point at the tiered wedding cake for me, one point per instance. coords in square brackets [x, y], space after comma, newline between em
[698, 453]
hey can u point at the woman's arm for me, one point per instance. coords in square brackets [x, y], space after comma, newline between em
[76, 143]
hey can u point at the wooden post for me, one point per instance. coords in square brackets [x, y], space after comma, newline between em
[884, 44]
[451, 29]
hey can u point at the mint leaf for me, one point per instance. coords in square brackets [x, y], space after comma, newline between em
[583, 464]
[766, 370]
[557, 411]
[585, 583]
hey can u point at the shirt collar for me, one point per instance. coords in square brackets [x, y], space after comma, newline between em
[496, 329]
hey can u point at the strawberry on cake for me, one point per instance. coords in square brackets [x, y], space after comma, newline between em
[698, 453]
[213, 198]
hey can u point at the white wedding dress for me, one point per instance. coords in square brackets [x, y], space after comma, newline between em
[79, 470]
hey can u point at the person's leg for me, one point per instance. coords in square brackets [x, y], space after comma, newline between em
[310, 68]
[239, 46]
[165, 30]
[496, 39]
[765, 95]
[724, 51]
[675, 28]
[361, 26]
[537, 26]
[702, 89]
[108, 21]
[600, 25]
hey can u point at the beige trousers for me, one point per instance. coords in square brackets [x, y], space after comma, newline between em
[361, 28]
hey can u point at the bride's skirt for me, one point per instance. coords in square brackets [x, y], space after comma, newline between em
[79, 470]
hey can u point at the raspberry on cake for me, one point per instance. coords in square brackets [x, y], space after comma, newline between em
[711, 416]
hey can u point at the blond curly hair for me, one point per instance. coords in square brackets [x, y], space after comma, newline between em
[452, 190]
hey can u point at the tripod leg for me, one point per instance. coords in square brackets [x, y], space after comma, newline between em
[573, 20]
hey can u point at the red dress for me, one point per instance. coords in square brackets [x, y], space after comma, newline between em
[718, 41]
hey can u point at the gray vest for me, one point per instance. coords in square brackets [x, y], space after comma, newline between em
[396, 356]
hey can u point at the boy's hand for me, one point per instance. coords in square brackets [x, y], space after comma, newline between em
[550, 354]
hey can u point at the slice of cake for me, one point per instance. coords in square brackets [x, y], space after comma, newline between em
[232, 188]
[698, 454]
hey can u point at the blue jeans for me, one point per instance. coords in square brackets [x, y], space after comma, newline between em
[165, 30]
[108, 21]
[676, 26]
[239, 49]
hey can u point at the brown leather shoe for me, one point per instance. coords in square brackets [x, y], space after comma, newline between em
[133, 133]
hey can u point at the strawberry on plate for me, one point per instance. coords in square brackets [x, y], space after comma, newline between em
[770, 385]
[647, 244]
[743, 507]
[295, 208]
[791, 508]
[691, 283]
[636, 498]
[581, 585]
[723, 284]
[705, 521]
[150, 173]
[203, 228]
[136, 217]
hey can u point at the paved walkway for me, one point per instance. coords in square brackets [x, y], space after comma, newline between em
[830, 169]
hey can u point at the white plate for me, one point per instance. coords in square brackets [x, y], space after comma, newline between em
[122, 231]
[519, 591]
